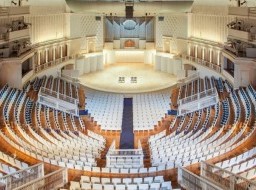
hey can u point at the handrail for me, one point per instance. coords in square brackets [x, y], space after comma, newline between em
[202, 62]
[21, 177]
[198, 96]
[189, 180]
[54, 62]
[58, 95]
[190, 78]
[53, 180]
[215, 174]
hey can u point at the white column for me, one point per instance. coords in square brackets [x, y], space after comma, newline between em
[210, 55]
[203, 51]
[189, 49]
[46, 55]
[68, 53]
[218, 58]
[38, 58]
[54, 53]
[196, 48]
[61, 53]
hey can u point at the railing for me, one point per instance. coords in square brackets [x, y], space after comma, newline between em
[252, 11]
[189, 78]
[202, 62]
[121, 156]
[22, 177]
[189, 180]
[197, 97]
[20, 10]
[52, 181]
[198, 101]
[53, 63]
[125, 152]
[58, 101]
[4, 10]
[22, 50]
[49, 92]
[16, 34]
[225, 179]
[68, 78]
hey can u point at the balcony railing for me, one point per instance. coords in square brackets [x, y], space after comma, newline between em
[58, 101]
[189, 78]
[54, 180]
[136, 155]
[205, 63]
[21, 10]
[24, 33]
[57, 95]
[242, 11]
[189, 180]
[197, 97]
[55, 62]
[198, 101]
[22, 177]
[224, 178]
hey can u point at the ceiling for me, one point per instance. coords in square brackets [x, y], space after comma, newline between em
[141, 8]
[63, 2]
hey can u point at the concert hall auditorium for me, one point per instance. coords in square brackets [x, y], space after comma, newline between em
[127, 94]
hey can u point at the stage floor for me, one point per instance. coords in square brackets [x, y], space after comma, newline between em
[148, 79]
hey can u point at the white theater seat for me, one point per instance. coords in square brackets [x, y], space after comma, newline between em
[74, 185]
[131, 187]
[96, 186]
[120, 187]
[143, 186]
[109, 187]
[86, 186]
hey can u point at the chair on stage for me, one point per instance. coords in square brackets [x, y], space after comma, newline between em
[121, 80]
[133, 79]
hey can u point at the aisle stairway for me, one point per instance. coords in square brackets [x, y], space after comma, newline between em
[127, 136]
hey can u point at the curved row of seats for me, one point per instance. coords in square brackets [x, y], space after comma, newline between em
[241, 164]
[65, 149]
[105, 108]
[192, 147]
[53, 136]
[149, 108]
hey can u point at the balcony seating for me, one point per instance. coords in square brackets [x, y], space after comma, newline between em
[188, 148]
[225, 113]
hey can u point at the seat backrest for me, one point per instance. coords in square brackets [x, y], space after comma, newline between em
[131, 187]
[109, 187]
[74, 185]
[95, 179]
[120, 187]
[143, 186]
[97, 186]
[137, 180]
